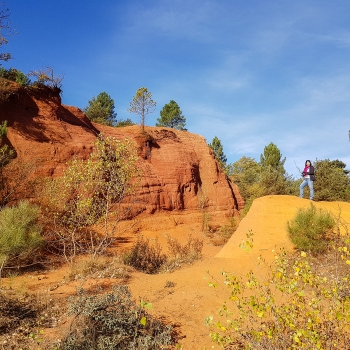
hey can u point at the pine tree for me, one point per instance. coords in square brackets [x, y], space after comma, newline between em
[219, 154]
[142, 104]
[171, 116]
[101, 109]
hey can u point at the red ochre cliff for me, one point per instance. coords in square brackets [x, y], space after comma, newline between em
[179, 171]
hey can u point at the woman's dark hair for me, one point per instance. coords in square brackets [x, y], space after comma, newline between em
[308, 161]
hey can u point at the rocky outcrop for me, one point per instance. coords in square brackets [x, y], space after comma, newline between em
[179, 169]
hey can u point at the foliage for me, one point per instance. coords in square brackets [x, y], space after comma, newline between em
[16, 75]
[311, 228]
[145, 257]
[3, 129]
[183, 254]
[272, 158]
[99, 267]
[101, 109]
[149, 258]
[171, 116]
[19, 234]
[5, 30]
[46, 77]
[245, 173]
[300, 304]
[124, 122]
[115, 321]
[332, 181]
[142, 104]
[219, 154]
[88, 198]
[268, 177]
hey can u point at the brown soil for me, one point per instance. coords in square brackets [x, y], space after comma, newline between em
[191, 300]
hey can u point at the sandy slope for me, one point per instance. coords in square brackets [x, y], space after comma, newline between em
[191, 300]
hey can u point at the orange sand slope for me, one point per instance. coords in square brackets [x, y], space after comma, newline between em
[267, 220]
[192, 300]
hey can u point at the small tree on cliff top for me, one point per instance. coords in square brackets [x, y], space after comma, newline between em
[101, 109]
[171, 116]
[142, 104]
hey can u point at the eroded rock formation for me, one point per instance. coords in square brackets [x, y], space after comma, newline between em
[179, 169]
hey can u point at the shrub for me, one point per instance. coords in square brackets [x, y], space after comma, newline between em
[19, 233]
[124, 122]
[145, 257]
[84, 206]
[99, 267]
[16, 75]
[187, 253]
[115, 321]
[311, 228]
[300, 304]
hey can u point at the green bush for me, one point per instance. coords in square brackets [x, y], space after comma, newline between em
[311, 228]
[19, 233]
[16, 75]
[145, 257]
[115, 321]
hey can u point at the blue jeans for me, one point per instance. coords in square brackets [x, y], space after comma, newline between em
[307, 182]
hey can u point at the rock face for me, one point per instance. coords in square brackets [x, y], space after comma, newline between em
[179, 169]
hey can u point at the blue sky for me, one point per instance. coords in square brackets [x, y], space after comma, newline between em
[249, 72]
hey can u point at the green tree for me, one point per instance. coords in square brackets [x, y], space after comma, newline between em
[171, 116]
[101, 109]
[245, 174]
[272, 157]
[142, 104]
[218, 150]
[5, 30]
[332, 182]
[273, 177]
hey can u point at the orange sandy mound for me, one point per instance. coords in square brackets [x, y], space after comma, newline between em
[191, 300]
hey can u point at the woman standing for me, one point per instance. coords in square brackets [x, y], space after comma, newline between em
[309, 178]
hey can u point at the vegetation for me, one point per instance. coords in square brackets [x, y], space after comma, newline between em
[16, 75]
[115, 321]
[300, 304]
[124, 122]
[171, 116]
[5, 30]
[88, 198]
[46, 77]
[145, 257]
[101, 109]
[142, 104]
[149, 258]
[19, 234]
[265, 178]
[332, 181]
[219, 154]
[311, 229]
